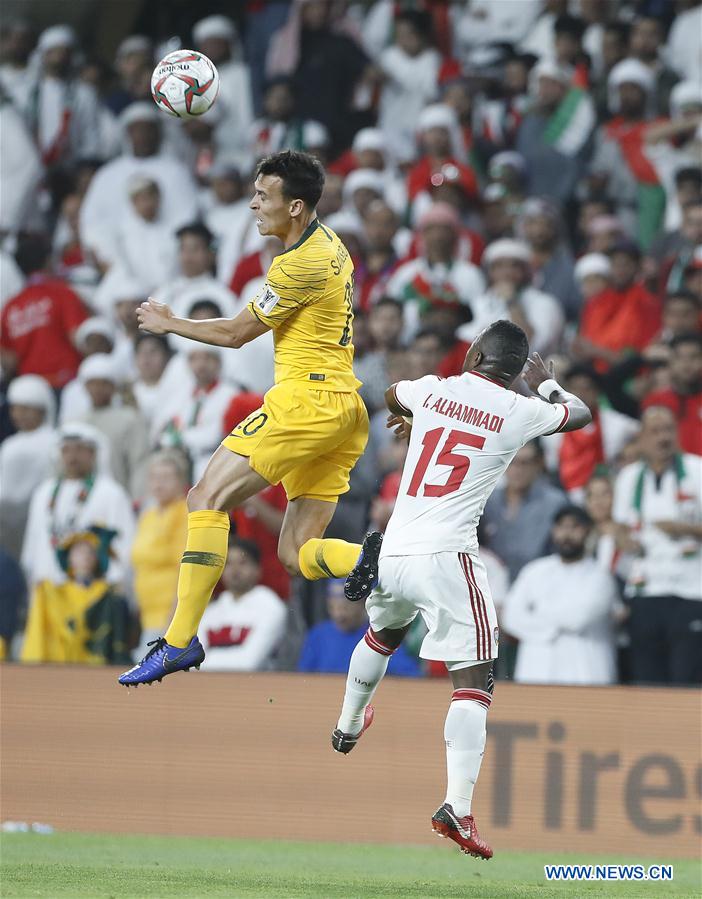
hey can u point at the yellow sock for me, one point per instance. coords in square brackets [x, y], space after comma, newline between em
[200, 569]
[328, 558]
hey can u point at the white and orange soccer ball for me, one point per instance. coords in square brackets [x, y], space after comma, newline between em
[185, 84]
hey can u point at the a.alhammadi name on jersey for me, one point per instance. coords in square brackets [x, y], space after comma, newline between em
[465, 432]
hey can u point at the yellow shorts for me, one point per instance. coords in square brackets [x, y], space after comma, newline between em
[307, 439]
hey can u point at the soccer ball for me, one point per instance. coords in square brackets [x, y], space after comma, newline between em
[185, 84]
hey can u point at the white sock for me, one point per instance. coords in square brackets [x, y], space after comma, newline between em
[464, 733]
[367, 667]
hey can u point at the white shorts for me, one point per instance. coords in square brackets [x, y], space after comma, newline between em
[451, 592]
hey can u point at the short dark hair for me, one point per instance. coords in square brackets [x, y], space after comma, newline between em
[387, 301]
[573, 511]
[302, 175]
[197, 229]
[505, 344]
[204, 303]
[621, 29]
[159, 339]
[246, 546]
[420, 20]
[570, 25]
[582, 370]
[682, 294]
[692, 173]
[33, 252]
[691, 337]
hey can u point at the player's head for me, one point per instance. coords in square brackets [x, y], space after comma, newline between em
[243, 569]
[287, 187]
[569, 532]
[500, 350]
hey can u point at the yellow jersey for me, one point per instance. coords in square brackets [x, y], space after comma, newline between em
[308, 302]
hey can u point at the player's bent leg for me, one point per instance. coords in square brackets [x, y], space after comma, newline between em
[367, 667]
[227, 481]
[301, 548]
[464, 734]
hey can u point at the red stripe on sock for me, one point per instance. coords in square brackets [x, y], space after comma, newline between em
[472, 695]
[376, 645]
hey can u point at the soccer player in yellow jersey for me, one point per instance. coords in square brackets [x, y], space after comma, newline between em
[312, 426]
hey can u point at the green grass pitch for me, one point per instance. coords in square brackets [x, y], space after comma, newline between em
[142, 867]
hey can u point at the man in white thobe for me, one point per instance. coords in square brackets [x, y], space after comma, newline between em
[561, 608]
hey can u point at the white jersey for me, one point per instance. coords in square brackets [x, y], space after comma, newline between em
[465, 432]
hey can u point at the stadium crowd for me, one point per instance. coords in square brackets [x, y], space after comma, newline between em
[537, 160]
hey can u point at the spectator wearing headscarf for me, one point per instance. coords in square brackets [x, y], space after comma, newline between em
[621, 163]
[441, 146]
[435, 276]
[216, 36]
[25, 456]
[122, 426]
[21, 170]
[107, 198]
[61, 111]
[510, 295]
[95, 335]
[554, 134]
[78, 495]
[622, 318]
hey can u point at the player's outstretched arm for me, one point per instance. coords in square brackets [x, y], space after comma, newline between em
[542, 381]
[158, 318]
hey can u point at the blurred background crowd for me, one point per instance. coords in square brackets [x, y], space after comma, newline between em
[538, 160]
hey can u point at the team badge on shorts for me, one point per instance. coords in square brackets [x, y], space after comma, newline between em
[496, 635]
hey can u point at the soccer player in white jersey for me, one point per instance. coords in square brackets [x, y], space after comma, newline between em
[463, 433]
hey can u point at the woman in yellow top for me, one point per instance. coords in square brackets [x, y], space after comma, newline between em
[160, 541]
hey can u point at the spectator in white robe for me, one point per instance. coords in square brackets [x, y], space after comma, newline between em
[80, 495]
[243, 625]
[511, 296]
[194, 279]
[107, 197]
[408, 73]
[435, 276]
[230, 219]
[561, 608]
[15, 76]
[118, 298]
[21, 170]
[26, 456]
[60, 109]
[370, 151]
[684, 45]
[151, 356]
[217, 38]
[194, 421]
[486, 22]
[145, 242]
[96, 335]
[122, 426]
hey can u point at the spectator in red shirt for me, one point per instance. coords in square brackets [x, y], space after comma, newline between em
[684, 397]
[254, 265]
[441, 144]
[621, 318]
[38, 326]
[261, 517]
